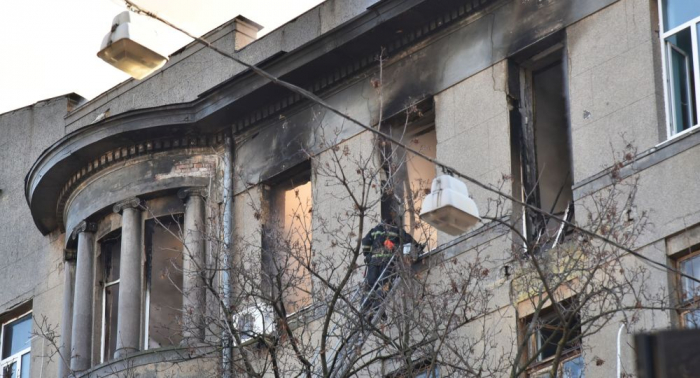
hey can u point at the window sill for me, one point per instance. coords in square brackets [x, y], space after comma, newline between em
[679, 135]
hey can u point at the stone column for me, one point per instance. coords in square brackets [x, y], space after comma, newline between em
[130, 272]
[81, 333]
[67, 317]
[193, 264]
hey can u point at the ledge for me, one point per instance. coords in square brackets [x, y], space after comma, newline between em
[655, 155]
[171, 355]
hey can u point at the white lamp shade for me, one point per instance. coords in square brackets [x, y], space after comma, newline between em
[448, 207]
[125, 47]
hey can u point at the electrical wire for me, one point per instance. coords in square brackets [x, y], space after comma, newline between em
[446, 168]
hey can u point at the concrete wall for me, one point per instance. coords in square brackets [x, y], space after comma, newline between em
[32, 265]
[615, 87]
[473, 134]
[615, 99]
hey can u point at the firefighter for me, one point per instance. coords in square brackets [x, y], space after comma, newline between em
[378, 246]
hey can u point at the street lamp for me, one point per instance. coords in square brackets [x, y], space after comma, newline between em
[124, 47]
[448, 207]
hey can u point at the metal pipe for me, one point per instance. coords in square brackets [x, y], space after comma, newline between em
[227, 352]
[619, 359]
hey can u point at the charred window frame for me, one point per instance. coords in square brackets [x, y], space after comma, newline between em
[408, 177]
[680, 25]
[15, 342]
[546, 331]
[541, 140]
[287, 237]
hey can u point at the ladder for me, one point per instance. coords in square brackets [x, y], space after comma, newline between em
[355, 329]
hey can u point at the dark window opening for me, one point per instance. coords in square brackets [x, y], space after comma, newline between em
[111, 252]
[421, 369]
[542, 145]
[408, 177]
[548, 329]
[163, 239]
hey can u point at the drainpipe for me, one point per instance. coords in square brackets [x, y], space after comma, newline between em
[619, 353]
[227, 352]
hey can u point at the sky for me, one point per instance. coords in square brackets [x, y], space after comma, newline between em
[48, 47]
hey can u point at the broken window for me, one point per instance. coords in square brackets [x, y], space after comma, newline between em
[412, 175]
[287, 254]
[16, 338]
[541, 144]
[681, 22]
[419, 177]
[110, 248]
[163, 281]
[547, 331]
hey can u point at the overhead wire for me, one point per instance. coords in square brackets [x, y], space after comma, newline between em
[446, 168]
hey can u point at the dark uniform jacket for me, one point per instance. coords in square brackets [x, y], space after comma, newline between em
[382, 241]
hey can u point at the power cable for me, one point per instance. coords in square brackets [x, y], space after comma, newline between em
[446, 168]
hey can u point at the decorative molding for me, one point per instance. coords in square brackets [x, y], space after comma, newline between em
[83, 226]
[130, 152]
[185, 193]
[131, 203]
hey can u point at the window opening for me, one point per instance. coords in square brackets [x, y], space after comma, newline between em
[164, 280]
[541, 146]
[422, 369]
[418, 178]
[690, 291]
[681, 21]
[16, 347]
[407, 178]
[111, 252]
[288, 241]
[548, 331]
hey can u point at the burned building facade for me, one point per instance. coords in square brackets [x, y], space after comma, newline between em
[129, 220]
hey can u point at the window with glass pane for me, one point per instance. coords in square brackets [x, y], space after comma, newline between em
[690, 291]
[678, 12]
[16, 339]
[547, 333]
[427, 373]
[681, 19]
[111, 252]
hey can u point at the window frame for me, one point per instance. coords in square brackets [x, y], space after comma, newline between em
[17, 357]
[686, 305]
[179, 218]
[666, 47]
[292, 178]
[542, 365]
[105, 286]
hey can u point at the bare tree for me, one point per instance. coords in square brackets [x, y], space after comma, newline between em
[297, 261]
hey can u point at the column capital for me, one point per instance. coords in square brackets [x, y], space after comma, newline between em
[83, 226]
[197, 191]
[130, 203]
